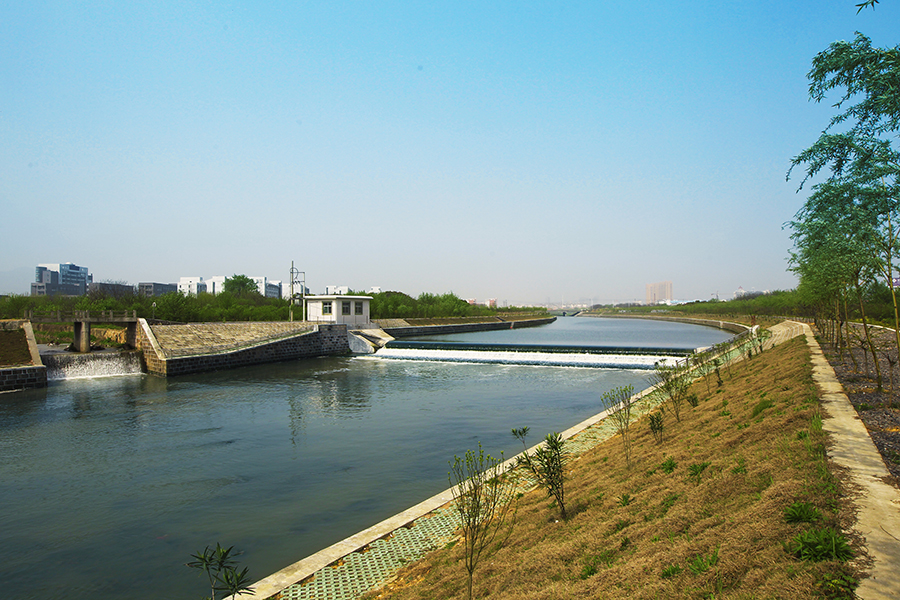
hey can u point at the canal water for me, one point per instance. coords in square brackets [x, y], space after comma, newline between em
[108, 484]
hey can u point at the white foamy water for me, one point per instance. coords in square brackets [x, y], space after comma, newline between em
[81, 366]
[612, 361]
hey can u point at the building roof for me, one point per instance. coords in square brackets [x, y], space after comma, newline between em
[338, 297]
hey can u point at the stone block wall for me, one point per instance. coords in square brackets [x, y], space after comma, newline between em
[326, 340]
[410, 331]
[22, 378]
[28, 376]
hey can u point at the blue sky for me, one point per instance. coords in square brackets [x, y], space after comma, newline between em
[530, 152]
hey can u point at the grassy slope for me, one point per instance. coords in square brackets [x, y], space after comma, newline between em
[14, 349]
[757, 466]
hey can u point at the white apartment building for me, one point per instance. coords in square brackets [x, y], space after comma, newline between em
[215, 285]
[191, 285]
[267, 288]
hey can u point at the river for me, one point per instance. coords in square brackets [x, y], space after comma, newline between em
[108, 484]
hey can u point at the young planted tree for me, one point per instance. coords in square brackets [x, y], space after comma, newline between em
[674, 381]
[482, 496]
[618, 401]
[221, 570]
[548, 465]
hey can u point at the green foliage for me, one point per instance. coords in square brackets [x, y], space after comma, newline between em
[625, 499]
[671, 571]
[820, 544]
[240, 285]
[837, 586]
[482, 496]
[618, 402]
[695, 471]
[606, 558]
[548, 466]
[701, 564]
[668, 465]
[668, 502]
[845, 235]
[656, 426]
[621, 524]
[221, 571]
[397, 305]
[673, 382]
[174, 306]
[761, 406]
[801, 512]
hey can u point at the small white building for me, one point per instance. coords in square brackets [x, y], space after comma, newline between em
[336, 308]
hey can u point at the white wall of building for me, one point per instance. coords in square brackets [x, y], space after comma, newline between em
[336, 308]
[191, 285]
[215, 285]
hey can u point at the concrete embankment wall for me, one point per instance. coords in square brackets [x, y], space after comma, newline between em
[166, 358]
[411, 331]
[25, 376]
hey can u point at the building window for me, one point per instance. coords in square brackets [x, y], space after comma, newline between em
[345, 307]
[359, 308]
[326, 308]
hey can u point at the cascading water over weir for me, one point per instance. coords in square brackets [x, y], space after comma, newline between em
[612, 357]
[95, 364]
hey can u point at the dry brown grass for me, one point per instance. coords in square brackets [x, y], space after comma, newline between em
[757, 467]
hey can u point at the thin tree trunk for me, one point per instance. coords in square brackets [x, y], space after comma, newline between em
[849, 339]
[840, 341]
[871, 345]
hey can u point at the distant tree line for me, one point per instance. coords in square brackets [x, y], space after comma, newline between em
[397, 305]
[239, 302]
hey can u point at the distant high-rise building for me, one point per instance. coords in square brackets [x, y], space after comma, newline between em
[66, 279]
[156, 289]
[116, 290]
[659, 292]
[267, 288]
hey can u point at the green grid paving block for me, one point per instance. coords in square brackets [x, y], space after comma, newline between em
[376, 563]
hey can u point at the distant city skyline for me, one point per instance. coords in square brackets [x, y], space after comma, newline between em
[666, 294]
[533, 153]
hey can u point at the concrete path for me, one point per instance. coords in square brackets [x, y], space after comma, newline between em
[878, 519]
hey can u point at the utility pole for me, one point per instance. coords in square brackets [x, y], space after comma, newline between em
[299, 278]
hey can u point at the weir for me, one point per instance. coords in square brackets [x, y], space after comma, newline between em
[619, 357]
[96, 364]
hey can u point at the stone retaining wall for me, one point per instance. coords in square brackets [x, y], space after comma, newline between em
[399, 332]
[22, 378]
[28, 376]
[324, 340]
